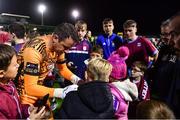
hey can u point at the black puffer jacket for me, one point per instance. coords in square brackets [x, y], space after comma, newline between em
[92, 100]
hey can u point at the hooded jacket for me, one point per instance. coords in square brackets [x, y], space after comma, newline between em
[10, 106]
[123, 93]
[92, 100]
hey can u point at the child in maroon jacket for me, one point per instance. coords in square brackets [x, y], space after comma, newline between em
[137, 76]
[10, 106]
[138, 69]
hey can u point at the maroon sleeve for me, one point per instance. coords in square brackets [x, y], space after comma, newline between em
[151, 49]
[24, 110]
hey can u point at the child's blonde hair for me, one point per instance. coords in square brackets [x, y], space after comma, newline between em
[80, 24]
[99, 69]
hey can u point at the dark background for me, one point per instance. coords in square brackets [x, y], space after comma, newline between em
[148, 13]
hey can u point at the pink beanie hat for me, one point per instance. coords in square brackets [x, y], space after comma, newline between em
[119, 70]
[123, 52]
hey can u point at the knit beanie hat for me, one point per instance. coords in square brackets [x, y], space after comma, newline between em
[123, 52]
[117, 60]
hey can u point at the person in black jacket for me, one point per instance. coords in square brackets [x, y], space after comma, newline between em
[167, 88]
[93, 99]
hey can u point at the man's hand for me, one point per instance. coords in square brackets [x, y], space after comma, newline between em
[61, 92]
[68, 89]
[34, 115]
[75, 79]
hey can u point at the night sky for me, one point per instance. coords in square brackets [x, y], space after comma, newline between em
[148, 13]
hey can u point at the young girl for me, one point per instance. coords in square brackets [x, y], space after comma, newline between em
[117, 60]
[122, 89]
[10, 106]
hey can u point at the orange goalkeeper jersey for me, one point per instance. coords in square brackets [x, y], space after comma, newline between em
[38, 62]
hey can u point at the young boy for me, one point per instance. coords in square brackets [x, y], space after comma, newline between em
[109, 41]
[138, 70]
[93, 99]
[10, 106]
[140, 48]
[96, 52]
[18, 32]
[79, 52]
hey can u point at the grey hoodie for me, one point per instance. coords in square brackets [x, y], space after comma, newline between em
[128, 89]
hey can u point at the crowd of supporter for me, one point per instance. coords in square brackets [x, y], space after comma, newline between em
[70, 73]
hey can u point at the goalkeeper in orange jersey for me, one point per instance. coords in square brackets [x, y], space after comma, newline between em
[39, 56]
